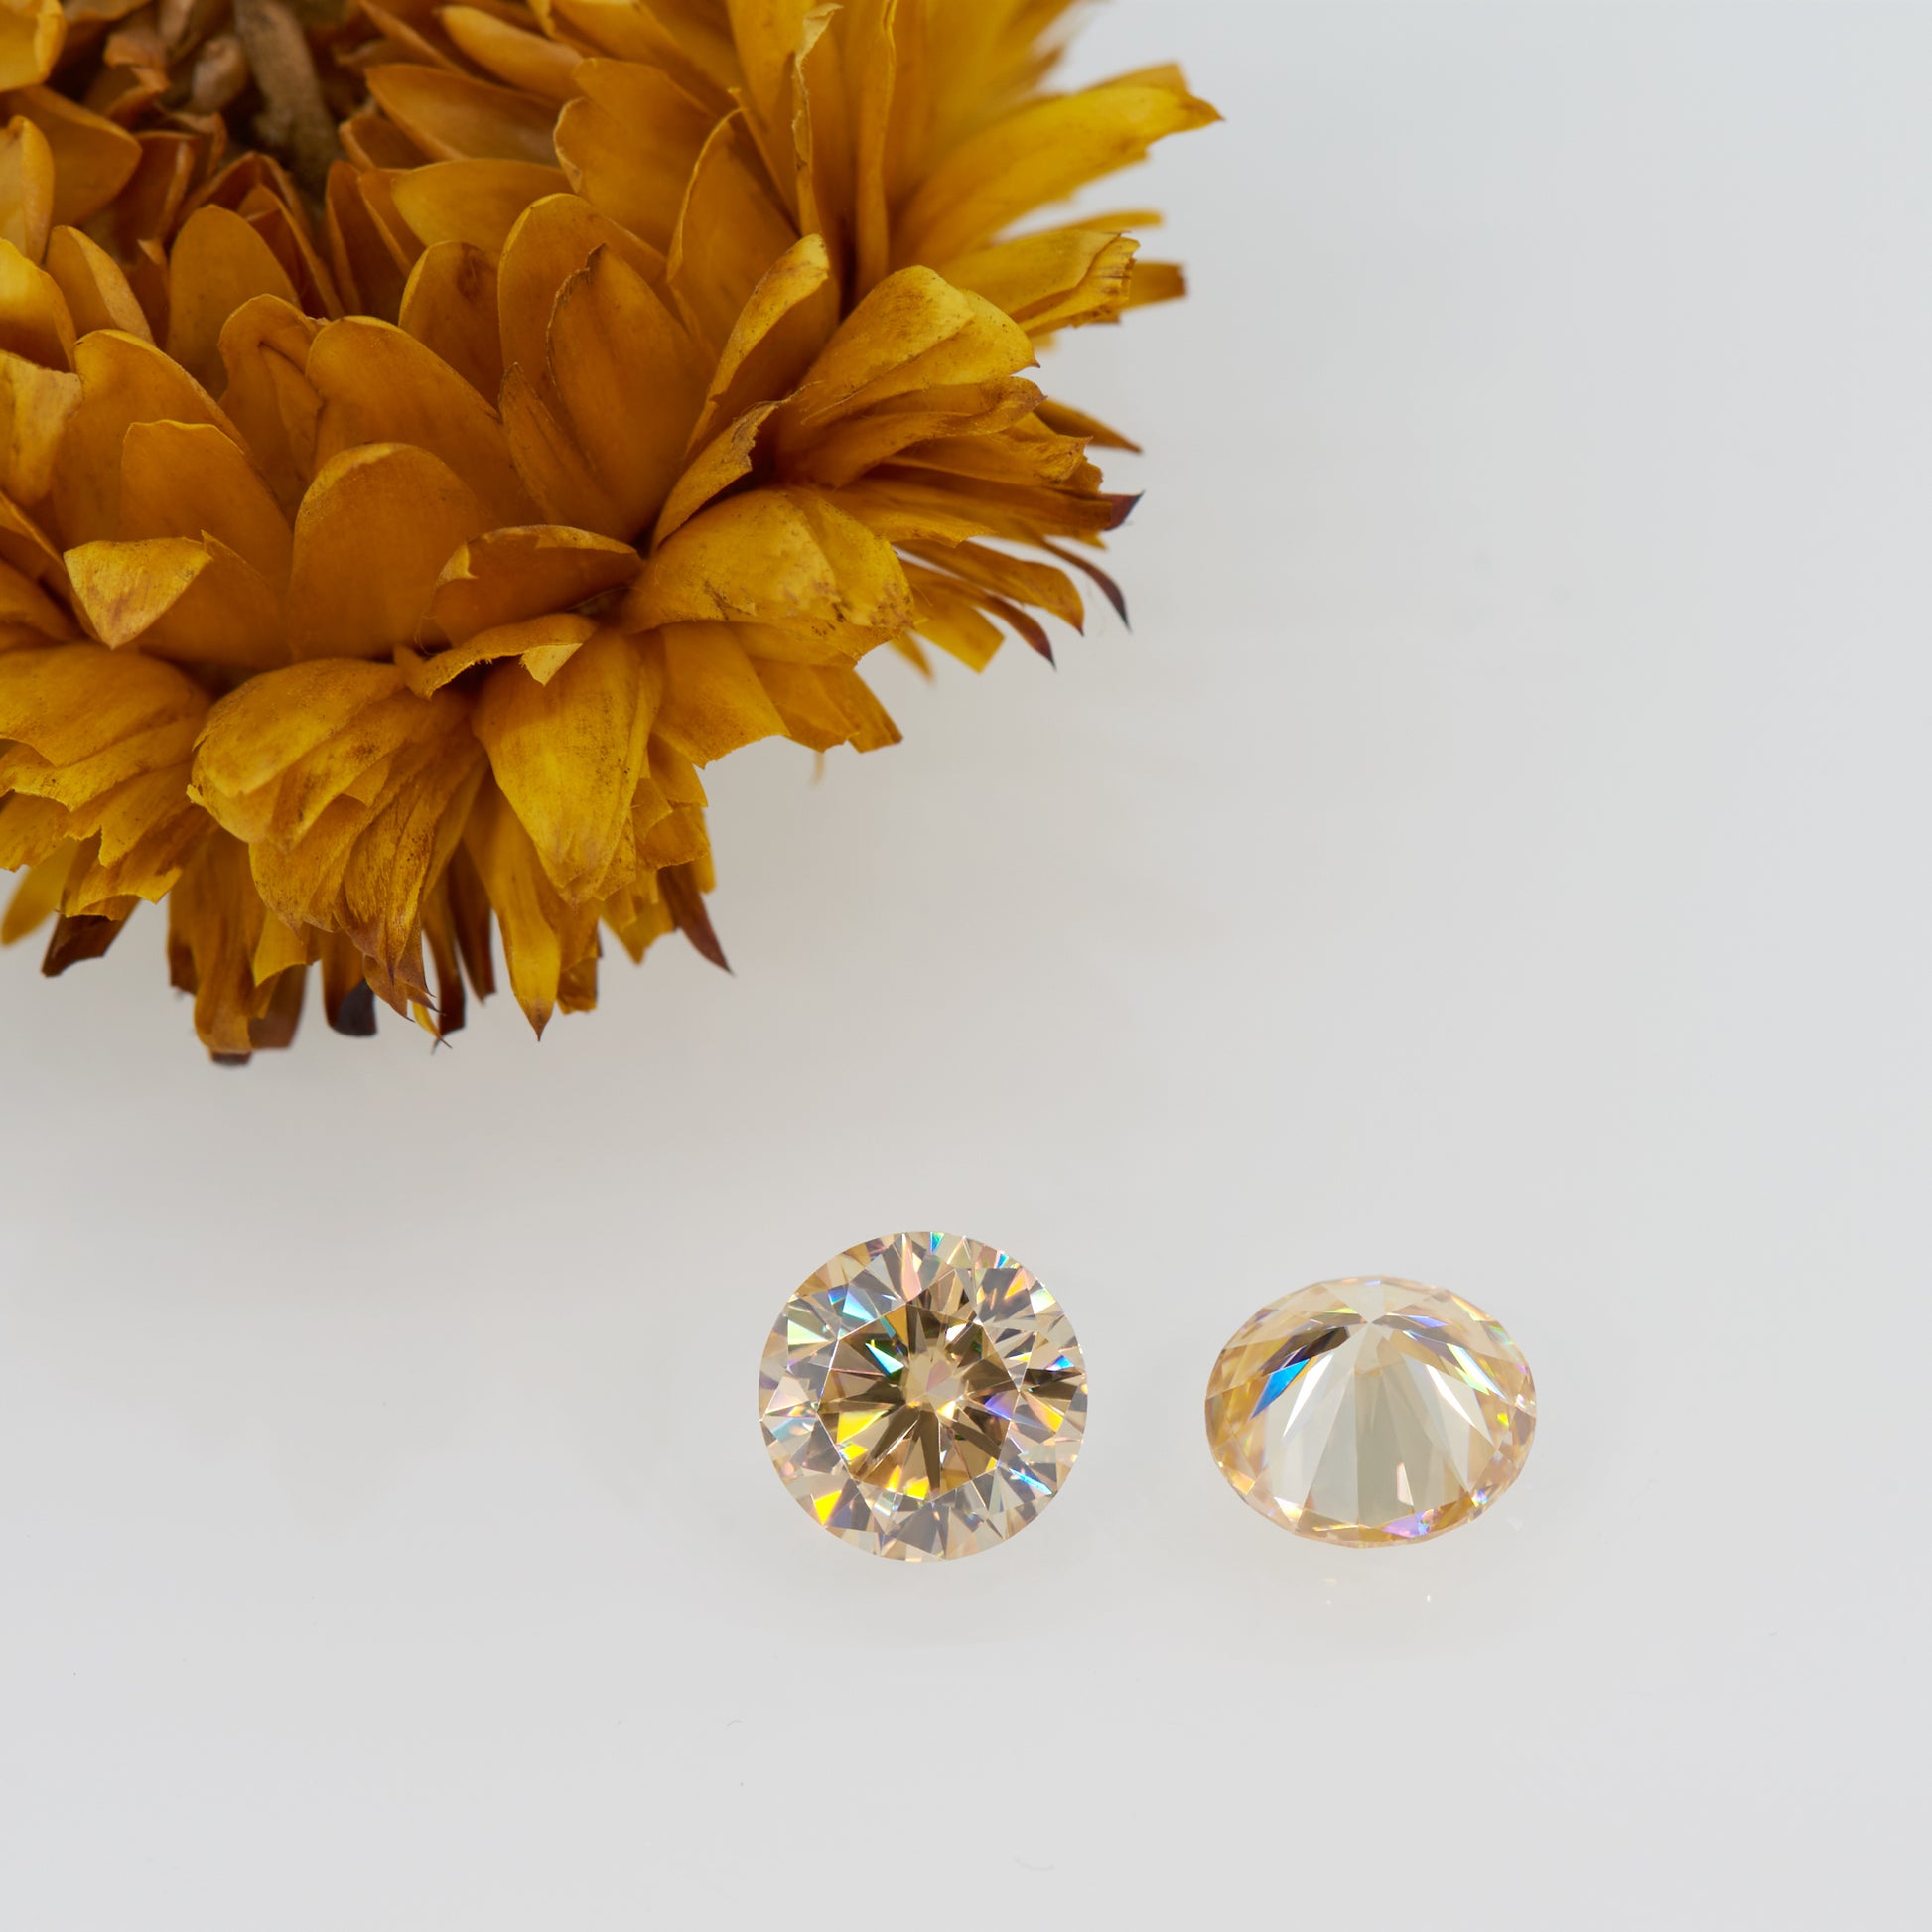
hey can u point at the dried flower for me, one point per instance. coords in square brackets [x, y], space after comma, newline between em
[398, 515]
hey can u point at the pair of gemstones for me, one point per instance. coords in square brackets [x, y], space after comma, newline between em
[924, 1396]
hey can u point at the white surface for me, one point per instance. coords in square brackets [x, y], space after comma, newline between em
[1498, 857]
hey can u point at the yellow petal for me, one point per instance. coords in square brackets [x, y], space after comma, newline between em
[727, 238]
[75, 701]
[825, 705]
[26, 186]
[514, 573]
[32, 830]
[266, 726]
[731, 456]
[1065, 421]
[567, 756]
[971, 413]
[354, 767]
[94, 159]
[455, 118]
[400, 855]
[286, 232]
[788, 320]
[368, 265]
[123, 819]
[887, 76]
[34, 321]
[935, 590]
[692, 46]
[903, 511]
[215, 918]
[543, 937]
[150, 206]
[376, 528]
[766, 643]
[552, 241]
[551, 462]
[478, 201]
[778, 557]
[821, 157]
[378, 188]
[38, 407]
[194, 601]
[713, 702]
[280, 948]
[187, 479]
[217, 262]
[86, 781]
[123, 381]
[302, 883]
[767, 34]
[545, 644]
[1153, 282]
[630, 381]
[36, 898]
[630, 145]
[310, 829]
[1052, 281]
[31, 33]
[274, 405]
[1022, 451]
[524, 60]
[1041, 153]
[379, 384]
[679, 841]
[371, 142]
[675, 775]
[468, 918]
[97, 293]
[1011, 576]
[637, 922]
[450, 306]
[900, 504]
[147, 868]
[949, 617]
[242, 182]
[913, 332]
[649, 806]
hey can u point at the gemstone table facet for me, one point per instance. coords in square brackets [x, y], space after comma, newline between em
[922, 1396]
[1370, 1412]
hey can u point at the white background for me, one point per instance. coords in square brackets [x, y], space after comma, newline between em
[1498, 855]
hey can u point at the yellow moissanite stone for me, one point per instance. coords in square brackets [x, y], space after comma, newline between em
[1371, 1411]
[922, 1394]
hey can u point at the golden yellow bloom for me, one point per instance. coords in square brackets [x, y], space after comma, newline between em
[387, 540]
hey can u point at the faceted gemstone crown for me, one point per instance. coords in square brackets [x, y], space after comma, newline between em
[922, 1394]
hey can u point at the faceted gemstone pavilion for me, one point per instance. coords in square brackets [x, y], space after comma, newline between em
[1370, 1412]
[922, 1396]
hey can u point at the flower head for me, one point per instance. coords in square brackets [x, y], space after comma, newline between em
[392, 533]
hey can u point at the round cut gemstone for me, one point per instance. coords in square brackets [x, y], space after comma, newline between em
[922, 1394]
[1370, 1412]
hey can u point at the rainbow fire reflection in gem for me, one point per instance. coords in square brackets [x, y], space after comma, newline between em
[922, 1396]
[1370, 1412]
